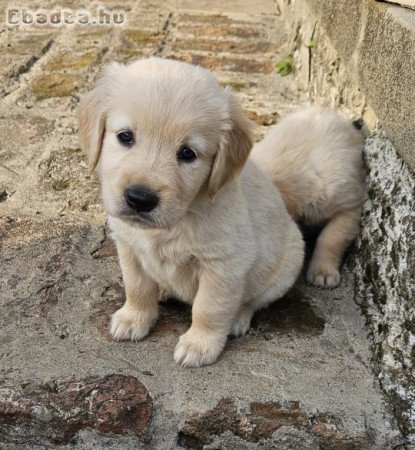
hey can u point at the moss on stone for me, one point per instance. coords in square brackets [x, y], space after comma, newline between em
[262, 119]
[285, 66]
[72, 151]
[91, 36]
[73, 62]
[53, 85]
[60, 185]
[208, 18]
[236, 85]
[127, 54]
[141, 37]
[30, 43]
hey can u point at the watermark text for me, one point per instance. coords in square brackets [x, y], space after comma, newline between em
[22, 16]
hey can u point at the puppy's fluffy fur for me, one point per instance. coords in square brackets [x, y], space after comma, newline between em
[314, 157]
[220, 237]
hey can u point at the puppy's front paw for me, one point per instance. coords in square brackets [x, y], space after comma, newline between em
[321, 276]
[197, 349]
[131, 324]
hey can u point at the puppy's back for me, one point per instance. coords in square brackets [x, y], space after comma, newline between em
[314, 157]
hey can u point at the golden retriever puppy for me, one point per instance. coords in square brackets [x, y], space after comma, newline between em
[314, 157]
[191, 215]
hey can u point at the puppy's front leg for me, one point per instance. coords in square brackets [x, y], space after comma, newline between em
[214, 308]
[134, 320]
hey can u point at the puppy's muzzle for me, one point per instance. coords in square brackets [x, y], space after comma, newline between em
[141, 199]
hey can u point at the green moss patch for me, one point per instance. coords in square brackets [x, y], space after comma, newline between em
[53, 85]
[74, 62]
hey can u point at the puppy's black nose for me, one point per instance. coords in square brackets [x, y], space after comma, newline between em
[141, 199]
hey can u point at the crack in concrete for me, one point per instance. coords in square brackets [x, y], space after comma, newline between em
[166, 32]
[9, 170]
[310, 52]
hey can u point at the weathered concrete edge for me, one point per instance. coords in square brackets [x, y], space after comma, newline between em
[376, 42]
[384, 261]
[384, 267]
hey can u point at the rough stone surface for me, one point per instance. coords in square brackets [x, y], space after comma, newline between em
[384, 261]
[53, 413]
[385, 269]
[61, 280]
[261, 423]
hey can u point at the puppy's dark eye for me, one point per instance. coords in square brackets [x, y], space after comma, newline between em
[186, 154]
[126, 138]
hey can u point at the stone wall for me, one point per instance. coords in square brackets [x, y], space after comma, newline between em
[385, 270]
[337, 58]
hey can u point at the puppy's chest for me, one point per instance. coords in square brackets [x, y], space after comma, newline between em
[172, 265]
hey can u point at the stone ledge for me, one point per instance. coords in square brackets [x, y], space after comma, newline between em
[376, 42]
[384, 272]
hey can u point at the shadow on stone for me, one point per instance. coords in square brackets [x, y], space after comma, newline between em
[291, 314]
[175, 317]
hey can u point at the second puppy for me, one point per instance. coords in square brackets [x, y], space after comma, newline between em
[314, 157]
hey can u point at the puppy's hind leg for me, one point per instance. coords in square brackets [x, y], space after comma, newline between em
[242, 321]
[134, 320]
[336, 236]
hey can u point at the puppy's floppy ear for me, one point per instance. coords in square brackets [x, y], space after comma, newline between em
[91, 125]
[234, 147]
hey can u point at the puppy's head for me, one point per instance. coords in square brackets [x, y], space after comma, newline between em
[161, 133]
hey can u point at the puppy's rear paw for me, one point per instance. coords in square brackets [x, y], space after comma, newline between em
[324, 277]
[197, 349]
[131, 324]
[242, 322]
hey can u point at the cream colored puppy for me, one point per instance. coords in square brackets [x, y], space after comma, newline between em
[191, 216]
[314, 157]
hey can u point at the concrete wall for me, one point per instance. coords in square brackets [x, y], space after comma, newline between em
[359, 56]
